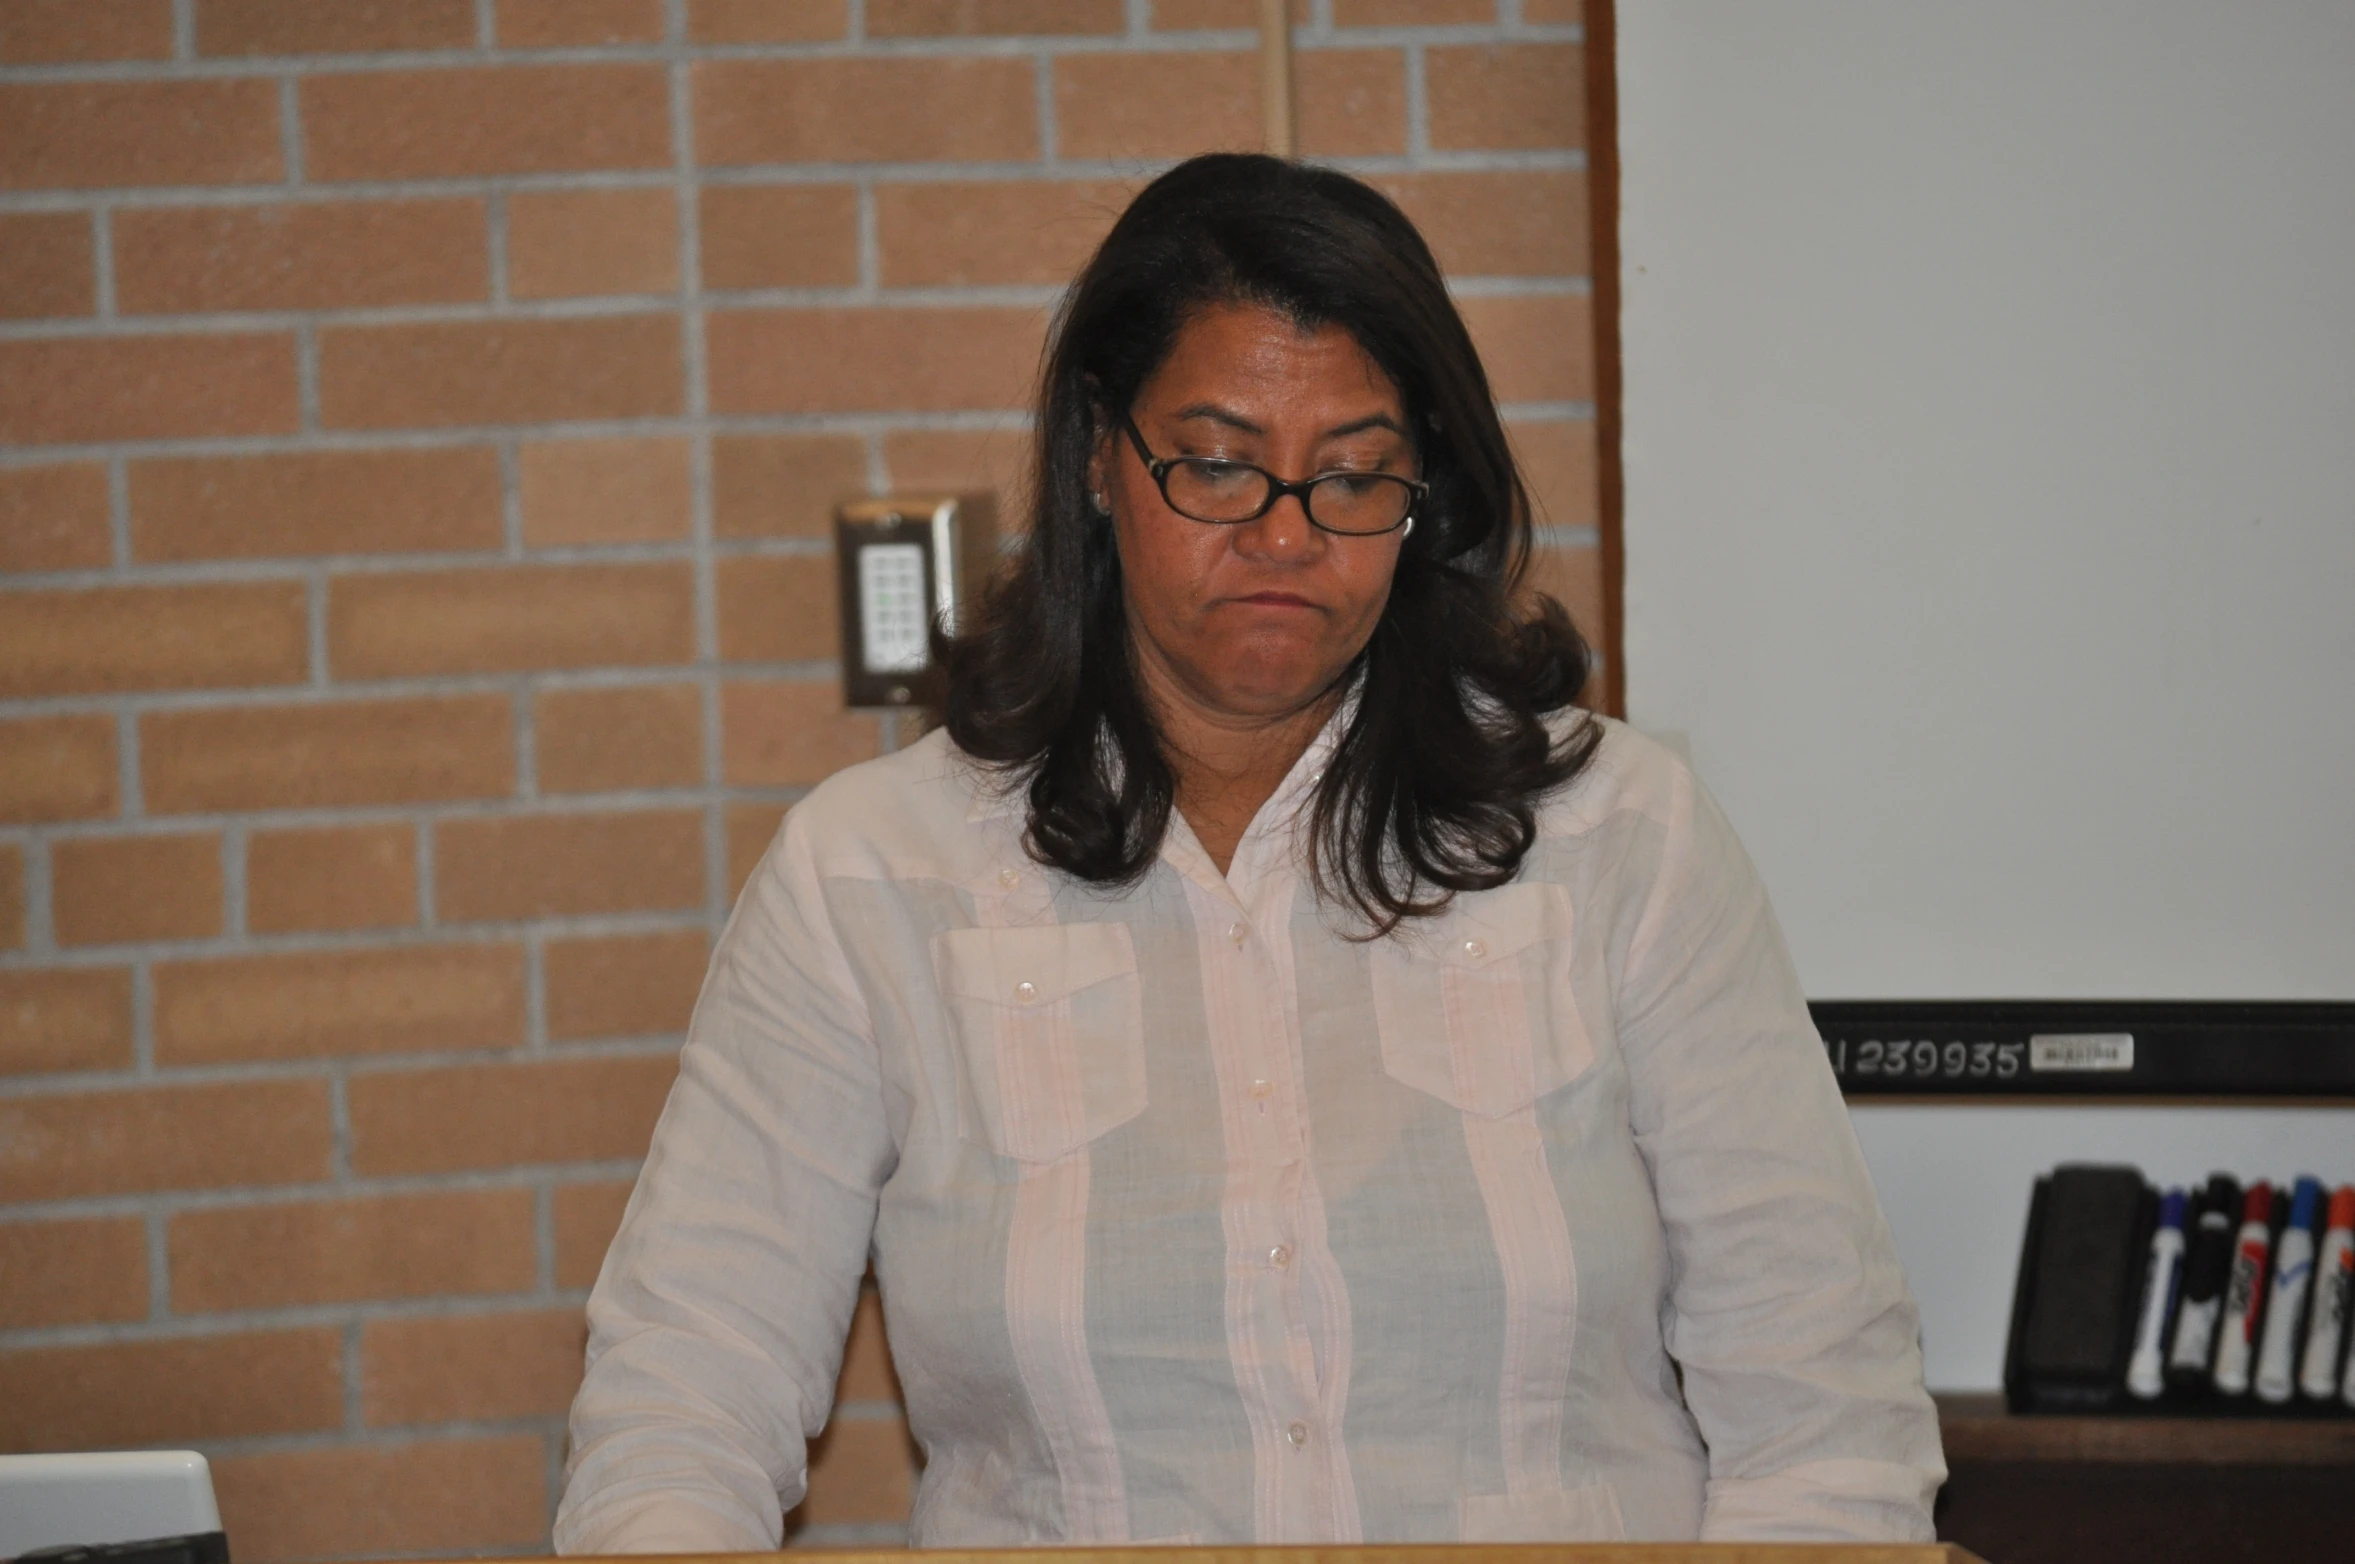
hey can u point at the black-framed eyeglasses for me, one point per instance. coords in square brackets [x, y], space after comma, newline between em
[1227, 494]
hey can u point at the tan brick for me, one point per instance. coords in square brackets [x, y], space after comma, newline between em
[1572, 577]
[330, 877]
[45, 264]
[57, 768]
[333, 1003]
[1537, 349]
[751, 828]
[107, 639]
[823, 111]
[851, 360]
[998, 231]
[287, 1253]
[12, 896]
[322, 755]
[779, 236]
[917, 18]
[1412, 13]
[861, 1472]
[587, 1216]
[158, 1392]
[1522, 223]
[471, 1368]
[1506, 96]
[82, 389]
[629, 985]
[867, 1374]
[76, 1018]
[510, 619]
[54, 518]
[512, 371]
[1558, 463]
[564, 24]
[90, 134]
[110, 890]
[961, 461]
[1123, 105]
[783, 485]
[301, 256]
[316, 502]
[605, 491]
[434, 1496]
[212, 1136]
[72, 1273]
[308, 27]
[506, 1115]
[778, 610]
[540, 866]
[766, 21]
[601, 741]
[1351, 102]
[509, 119]
[59, 32]
[577, 243]
[788, 733]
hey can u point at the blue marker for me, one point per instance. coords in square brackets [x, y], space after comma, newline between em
[2146, 1375]
[2293, 1275]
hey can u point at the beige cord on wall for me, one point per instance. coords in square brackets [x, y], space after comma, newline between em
[1275, 74]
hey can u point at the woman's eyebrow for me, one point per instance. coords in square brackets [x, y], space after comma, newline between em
[1233, 420]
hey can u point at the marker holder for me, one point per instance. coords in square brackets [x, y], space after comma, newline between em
[2073, 1318]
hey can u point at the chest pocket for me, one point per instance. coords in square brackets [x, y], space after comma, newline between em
[1050, 1023]
[1474, 1006]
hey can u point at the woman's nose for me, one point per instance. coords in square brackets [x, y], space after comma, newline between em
[1282, 532]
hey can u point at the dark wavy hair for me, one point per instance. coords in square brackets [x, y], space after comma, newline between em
[1435, 783]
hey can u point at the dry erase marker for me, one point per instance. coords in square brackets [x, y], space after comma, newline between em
[2145, 1375]
[2293, 1274]
[2207, 1261]
[2244, 1294]
[2334, 1297]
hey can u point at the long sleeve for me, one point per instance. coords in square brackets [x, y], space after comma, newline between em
[716, 1328]
[1789, 1314]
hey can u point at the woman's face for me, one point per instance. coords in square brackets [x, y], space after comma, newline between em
[1255, 620]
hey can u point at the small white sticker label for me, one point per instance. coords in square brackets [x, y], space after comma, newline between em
[892, 620]
[2081, 1051]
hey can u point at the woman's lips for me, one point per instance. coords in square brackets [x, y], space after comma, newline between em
[1276, 600]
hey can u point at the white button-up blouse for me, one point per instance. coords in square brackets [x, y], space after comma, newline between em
[1197, 1219]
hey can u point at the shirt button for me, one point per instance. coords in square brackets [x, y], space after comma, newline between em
[1026, 993]
[1263, 1089]
[1475, 949]
[1238, 933]
[1297, 1433]
[1280, 1256]
[1009, 878]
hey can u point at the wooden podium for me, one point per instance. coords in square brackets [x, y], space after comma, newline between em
[1435, 1553]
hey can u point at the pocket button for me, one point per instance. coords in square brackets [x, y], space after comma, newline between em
[1474, 949]
[1026, 993]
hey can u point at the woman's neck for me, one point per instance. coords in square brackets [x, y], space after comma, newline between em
[1228, 766]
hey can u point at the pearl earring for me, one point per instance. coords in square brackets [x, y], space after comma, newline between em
[1407, 531]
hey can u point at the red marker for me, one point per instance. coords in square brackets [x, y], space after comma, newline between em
[2244, 1294]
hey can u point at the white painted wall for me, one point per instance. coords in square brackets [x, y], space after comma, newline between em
[1990, 447]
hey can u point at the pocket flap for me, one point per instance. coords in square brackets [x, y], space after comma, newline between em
[1490, 926]
[1026, 967]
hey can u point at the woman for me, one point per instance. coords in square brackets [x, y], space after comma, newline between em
[1296, 1077]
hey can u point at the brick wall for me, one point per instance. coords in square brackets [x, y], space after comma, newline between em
[418, 422]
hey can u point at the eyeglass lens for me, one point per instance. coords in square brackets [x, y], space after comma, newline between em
[1339, 502]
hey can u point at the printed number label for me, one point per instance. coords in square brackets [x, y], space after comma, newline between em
[1922, 1059]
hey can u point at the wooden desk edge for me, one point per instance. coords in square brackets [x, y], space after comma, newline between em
[1433, 1553]
[1977, 1428]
